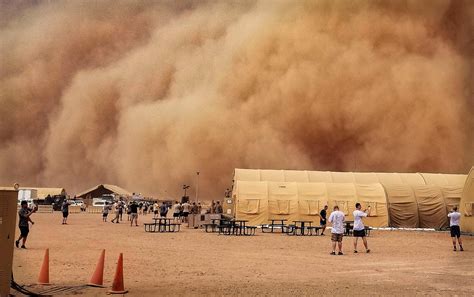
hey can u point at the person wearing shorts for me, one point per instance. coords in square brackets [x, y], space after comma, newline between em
[186, 209]
[359, 228]
[65, 211]
[337, 219]
[156, 209]
[24, 217]
[133, 214]
[176, 211]
[454, 217]
[105, 212]
[322, 219]
[163, 210]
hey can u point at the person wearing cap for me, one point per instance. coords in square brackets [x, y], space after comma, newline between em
[24, 217]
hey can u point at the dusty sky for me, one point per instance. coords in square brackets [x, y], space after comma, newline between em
[143, 94]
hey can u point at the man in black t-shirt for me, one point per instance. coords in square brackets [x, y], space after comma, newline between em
[322, 220]
[134, 213]
[24, 217]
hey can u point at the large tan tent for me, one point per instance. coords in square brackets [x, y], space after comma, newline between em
[467, 204]
[396, 199]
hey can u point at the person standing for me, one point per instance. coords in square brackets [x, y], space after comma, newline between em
[218, 208]
[121, 205]
[24, 217]
[133, 214]
[322, 218]
[105, 211]
[454, 217]
[116, 212]
[65, 211]
[186, 208]
[337, 219]
[176, 211]
[156, 209]
[199, 208]
[163, 210]
[359, 228]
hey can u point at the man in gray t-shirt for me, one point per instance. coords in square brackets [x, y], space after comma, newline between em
[24, 217]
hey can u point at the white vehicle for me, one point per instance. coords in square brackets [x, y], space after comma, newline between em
[76, 202]
[98, 202]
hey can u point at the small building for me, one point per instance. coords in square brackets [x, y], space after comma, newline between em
[103, 189]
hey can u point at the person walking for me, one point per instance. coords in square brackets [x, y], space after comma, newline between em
[24, 217]
[133, 214]
[116, 212]
[454, 217]
[65, 211]
[337, 219]
[359, 228]
[322, 218]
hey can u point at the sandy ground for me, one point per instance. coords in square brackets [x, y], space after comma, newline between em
[193, 262]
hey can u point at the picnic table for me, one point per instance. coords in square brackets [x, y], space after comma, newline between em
[272, 225]
[236, 227]
[349, 227]
[301, 226]
[162, 225]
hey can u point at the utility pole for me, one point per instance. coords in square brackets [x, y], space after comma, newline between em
[197, 186]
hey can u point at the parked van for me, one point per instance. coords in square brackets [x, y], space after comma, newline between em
[98, 202]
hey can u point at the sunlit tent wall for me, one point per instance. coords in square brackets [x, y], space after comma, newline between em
[467, 204]
[402, 206]
[396, 199]
[450, 185]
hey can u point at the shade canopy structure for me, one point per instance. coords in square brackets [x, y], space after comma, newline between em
[407, 200]
[42, 193]
[102, 189]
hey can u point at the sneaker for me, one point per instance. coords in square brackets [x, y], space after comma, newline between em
[17, 243]
[461, 249]
[454, 249]
[322, 234]
[340, 253]
[332, 253]
[355, 252]
[368, 251]
[23, 247]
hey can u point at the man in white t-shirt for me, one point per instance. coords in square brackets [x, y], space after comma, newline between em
[337, 219]
[454, 218]
[359, 228]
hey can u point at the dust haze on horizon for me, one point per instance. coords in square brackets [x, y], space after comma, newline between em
[143, 94]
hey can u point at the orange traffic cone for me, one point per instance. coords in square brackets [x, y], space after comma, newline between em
[117, 285]
[43, 278]
[97, 279]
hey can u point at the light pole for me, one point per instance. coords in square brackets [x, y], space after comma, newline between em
[197, 186]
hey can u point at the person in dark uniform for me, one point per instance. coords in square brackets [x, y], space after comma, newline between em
[65, 211]
[24, 217]
[322, 219]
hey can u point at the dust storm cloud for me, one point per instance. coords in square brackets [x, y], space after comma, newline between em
[144, 94]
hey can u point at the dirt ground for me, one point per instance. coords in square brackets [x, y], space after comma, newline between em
[193, 262]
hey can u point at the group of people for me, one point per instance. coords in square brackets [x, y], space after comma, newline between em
[118, 208]
[181, 212]
[337, 219]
